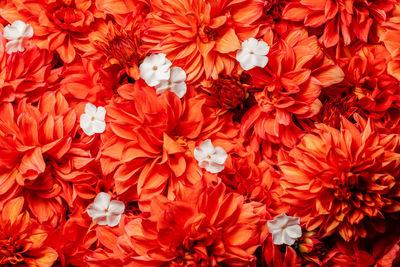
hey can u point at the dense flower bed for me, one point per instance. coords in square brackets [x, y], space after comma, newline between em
[199, 133]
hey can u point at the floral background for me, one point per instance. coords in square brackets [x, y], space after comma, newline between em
[199, 133]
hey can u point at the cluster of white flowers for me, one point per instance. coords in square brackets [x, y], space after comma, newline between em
[155, 71]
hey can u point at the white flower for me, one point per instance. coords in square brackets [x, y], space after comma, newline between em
[155, 68]
[104, 212]
[176, 82]
[253, 54]
[209, 157]
[17, 33]
[284, 229]
[92, 121]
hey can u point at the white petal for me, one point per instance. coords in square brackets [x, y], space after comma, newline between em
[262, 48]
[247, 63]
[28, 31]
[85, 121]
[219, 156]
[214, 167]
[199, 155]
[15, 30]
[287, 239]
[162, 75]
[150, 78]
[277, 237]
[293, 220]
[101, 220]
[250, 44]
[89, 130]
[116, 207]
[102, 201]
[113, 219]
[93, 211]
[260, 61]
[157, 59]
[204, 163]
[277, 223]
[14, 46]
[162, 86]
[207, 147]
[179, 89]
[294, 231]
[90, 109]
[100, 114]
[177, 75]
[242, 55]
[98, 126]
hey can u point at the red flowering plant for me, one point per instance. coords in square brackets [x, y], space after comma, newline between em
[199, 133]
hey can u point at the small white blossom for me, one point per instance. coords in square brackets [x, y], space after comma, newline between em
[154, 69]
[17, 33]
[175, 83]
[253, 54]
[284, 229]
[106, 212]
[209, 157]
[92, 121]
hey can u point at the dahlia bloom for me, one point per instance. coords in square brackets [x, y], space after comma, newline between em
[25, 74]
[23, 240]
[40, 160]
[215, 229]
[149, 146]
[342, 180]
[291, 83]
[61, 26]
[341, 20]
[203, 43]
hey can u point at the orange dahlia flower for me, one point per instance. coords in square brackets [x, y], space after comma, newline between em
[149, 147]
[24, 74]
[367, 89]
[291, 83]
[342, 180]
[117, 49]
[22, 240]
[201, 36]
[340, 19]
[61, 25]
[215, 229]
[39, 160]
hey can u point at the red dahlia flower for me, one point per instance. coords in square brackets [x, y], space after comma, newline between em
[150, 143]
[341, 19]
[291, 82]
[24, 74]
[61, 26]
[39, 160]
[342, 180]
[215, 229]
[201, 36]
[23, 240]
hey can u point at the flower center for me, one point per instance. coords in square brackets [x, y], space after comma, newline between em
[251, 53]
[155, 68]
